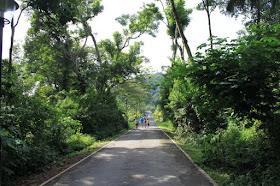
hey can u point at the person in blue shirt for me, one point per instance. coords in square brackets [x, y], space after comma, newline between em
[142, 121]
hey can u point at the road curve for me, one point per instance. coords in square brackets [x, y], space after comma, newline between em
[144, 156]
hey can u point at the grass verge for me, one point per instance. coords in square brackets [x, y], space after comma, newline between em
[194, 150]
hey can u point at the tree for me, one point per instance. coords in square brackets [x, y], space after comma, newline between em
[243, 75]
[51, 21]
[145, 21]
[180, 29]
[172, 29]
[119, 65]
[135, 91]
[208, 6]
[255, 7]
[13, 26]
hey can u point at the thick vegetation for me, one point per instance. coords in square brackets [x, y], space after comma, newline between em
[224, 102]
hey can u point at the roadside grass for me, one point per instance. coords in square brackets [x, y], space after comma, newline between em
[131, 125]
[167, 126]
[100, 143]
[194, 150]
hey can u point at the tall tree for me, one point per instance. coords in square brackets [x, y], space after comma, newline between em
[180, 29]
[125, 64]
[172, 29]
[13, 26]
[60, 21]
[208, 6]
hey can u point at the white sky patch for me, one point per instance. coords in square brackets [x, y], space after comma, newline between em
[156, 49]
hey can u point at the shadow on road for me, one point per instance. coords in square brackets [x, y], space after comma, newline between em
[144, 156]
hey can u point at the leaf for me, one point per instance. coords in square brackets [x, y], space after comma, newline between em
[203, 45]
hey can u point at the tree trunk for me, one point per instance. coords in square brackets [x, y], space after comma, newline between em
[258, 11]
[12, 39]
[184, 40]
[100, 85]
[1, 35]
[12, 46]
[206, 7]
[178, 46]
[89, 33]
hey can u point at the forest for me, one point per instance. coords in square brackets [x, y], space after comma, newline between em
[64, 94]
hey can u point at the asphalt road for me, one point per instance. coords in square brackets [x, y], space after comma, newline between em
[143, 156]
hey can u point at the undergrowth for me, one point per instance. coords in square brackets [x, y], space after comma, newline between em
[237, 155]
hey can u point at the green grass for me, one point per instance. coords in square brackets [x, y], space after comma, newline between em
[167, 126]
[194, 150]
[220, 177]
[131, 125]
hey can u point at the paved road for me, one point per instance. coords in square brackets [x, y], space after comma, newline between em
[144, 156]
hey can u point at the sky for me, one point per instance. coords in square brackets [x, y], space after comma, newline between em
[157, 49]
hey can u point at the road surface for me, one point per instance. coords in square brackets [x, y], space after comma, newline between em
[143, 156]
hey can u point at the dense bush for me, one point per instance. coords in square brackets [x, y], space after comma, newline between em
[242, 76]
[79, 141]
[30, 131]
[237, 77]
[103, 118]
[237, 147]
[242, 152]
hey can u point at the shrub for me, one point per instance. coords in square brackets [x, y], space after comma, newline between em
[100, 116]
[237, 146]
[79, 141]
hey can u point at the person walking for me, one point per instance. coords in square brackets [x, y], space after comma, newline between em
[148, 122]
[136, 122]
[142, 121]
[145, 122]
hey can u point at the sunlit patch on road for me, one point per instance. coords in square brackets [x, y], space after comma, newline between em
[138, 176]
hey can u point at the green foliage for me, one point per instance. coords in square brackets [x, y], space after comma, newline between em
[242, 152]
[39, 129]
[256, 10]
[158, 116]
[227, 102]
[145, 21]
[103, 118]
[79, 141]
[212, 4]
[165, 89]
[183, 15]
[243, 75]
[167, 126]
[236, 147]
[65, 11]
[237, 155]
[32, 136]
